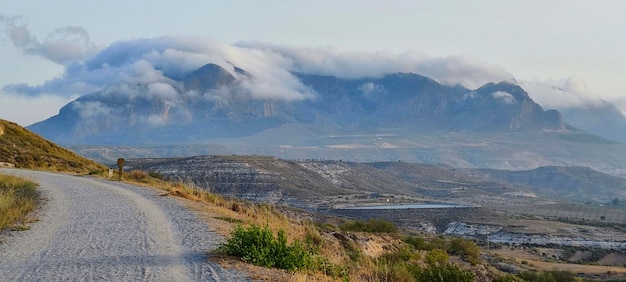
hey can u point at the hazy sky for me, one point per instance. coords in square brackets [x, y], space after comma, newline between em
[560, 51]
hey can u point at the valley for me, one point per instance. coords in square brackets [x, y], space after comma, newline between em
[512, 213]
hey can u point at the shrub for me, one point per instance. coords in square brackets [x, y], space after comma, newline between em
[443, 272]
[418, 243]
[138, 175]
[394, 271]
[437, 256]
[260, 247]
[465, 248]
[372, 225]
[400, 255]
[234, 206]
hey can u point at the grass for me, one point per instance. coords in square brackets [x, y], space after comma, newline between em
[18, 197]
[25, 149]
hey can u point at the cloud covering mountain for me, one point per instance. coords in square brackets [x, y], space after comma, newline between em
[159, 62]
[89, 67]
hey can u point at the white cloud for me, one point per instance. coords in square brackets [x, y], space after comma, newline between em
[560, 94]
[60, 46]
[162, 90]
[88, 109]
[506, 97]
[464, 70]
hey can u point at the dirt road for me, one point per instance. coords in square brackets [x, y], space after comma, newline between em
[91, 229]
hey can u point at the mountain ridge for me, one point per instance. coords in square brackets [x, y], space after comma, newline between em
[399, 116]
[211, 102]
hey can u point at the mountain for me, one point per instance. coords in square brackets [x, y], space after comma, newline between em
[24, 149]
[602, 119]
[399, 116]
[211, 103]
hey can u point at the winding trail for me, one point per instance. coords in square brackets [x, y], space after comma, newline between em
[98, 230]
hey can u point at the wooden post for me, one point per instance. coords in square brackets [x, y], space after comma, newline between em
[120, 165]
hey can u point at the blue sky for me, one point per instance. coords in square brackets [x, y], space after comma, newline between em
[575, 47]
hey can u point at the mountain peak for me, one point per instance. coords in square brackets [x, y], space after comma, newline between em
[209, 76]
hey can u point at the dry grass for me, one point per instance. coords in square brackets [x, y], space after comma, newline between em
[25, 149]
[18, 197]
[138, 175]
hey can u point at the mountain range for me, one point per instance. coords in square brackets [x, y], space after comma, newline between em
[209, 103]
[212, 110]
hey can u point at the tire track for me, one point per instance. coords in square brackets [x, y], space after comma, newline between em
[93, 230]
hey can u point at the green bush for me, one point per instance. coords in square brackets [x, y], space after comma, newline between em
[260, 247]
[372, 225]
[418, 243]
[465, 248]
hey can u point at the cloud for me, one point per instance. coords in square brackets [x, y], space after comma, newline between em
[162, 59]
[506, 97]
[464, 70]
[61, 46]
[89, 109]
[151, 67]
[560, 94]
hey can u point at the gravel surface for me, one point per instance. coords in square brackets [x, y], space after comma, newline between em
[91, 229]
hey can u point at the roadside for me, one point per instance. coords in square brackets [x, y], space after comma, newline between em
[98, 229]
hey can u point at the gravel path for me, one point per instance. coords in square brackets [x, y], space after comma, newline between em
[91, 229]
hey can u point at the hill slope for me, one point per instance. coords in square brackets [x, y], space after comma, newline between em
[316, 184]
[24, 149]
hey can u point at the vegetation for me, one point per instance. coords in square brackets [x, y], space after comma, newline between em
[138, 175]
[466, 249]
[372, 225]
[260, 247]
[324, 251]
[24, 149]
[18, 197]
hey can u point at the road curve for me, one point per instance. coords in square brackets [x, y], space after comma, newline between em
[98, 230]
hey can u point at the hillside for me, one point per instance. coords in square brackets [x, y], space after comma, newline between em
[24, 149]
[564, 183]
[322, 184]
